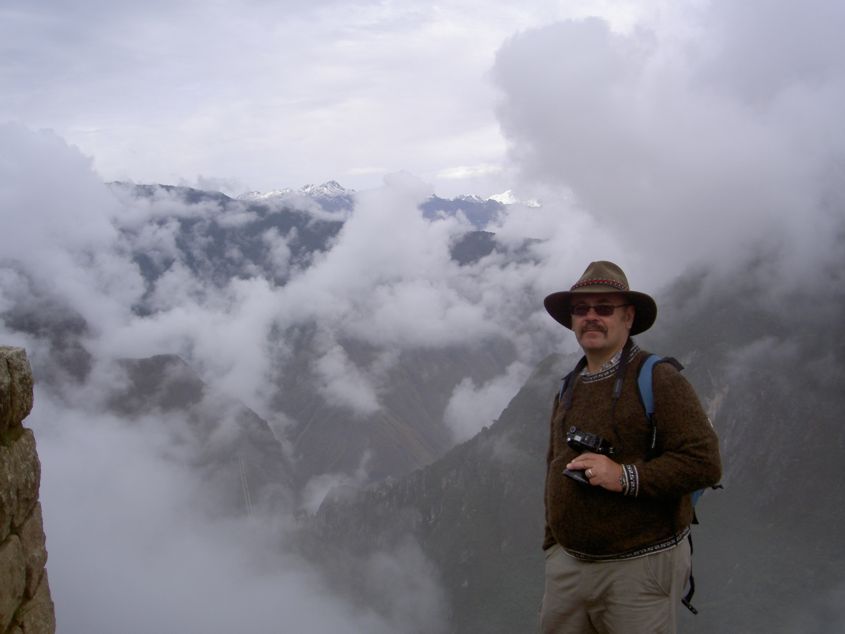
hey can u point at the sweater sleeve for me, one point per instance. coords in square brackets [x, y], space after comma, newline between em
[548, 538]
[687, 445]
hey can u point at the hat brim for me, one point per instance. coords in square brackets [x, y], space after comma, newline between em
[557, 305]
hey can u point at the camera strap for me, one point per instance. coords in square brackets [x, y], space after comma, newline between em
[567, 386]
[620, 370]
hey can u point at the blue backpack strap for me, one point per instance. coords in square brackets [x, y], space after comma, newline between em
[644, 383]
[645, 380]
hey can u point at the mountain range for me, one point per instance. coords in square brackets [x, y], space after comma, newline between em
[769, 553]
[213, 239]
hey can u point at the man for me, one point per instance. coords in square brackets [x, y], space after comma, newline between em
[617, 554]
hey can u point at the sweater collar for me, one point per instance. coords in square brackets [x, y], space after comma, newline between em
[610, 365]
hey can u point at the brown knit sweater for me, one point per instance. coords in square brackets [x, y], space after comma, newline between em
[593, 523]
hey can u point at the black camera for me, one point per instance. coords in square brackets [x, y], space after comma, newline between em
[582, 441]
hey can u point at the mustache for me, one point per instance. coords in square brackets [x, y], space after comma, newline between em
[593, 326]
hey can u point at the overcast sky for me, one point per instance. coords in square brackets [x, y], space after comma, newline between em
[661, 135]
[660, 110]
[254, 94]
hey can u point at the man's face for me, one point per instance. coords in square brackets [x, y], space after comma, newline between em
[602, 334]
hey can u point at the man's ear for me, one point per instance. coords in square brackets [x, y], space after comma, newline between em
[630, 313]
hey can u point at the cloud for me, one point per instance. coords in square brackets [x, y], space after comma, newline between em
[318, 487]
[62, 234]
[229, 186]
[473, 407]
[744, 54]
[465, 171]
[388, 280]
[342, 383]
[685, 141]
[279, 250]
[659, 136]
[421, 602]
[300, 92]
[132, 548]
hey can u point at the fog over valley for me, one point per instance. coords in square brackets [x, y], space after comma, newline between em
[324, 408]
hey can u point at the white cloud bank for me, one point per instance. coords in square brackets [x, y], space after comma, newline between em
[133, 546]
[695, 139]
[473, 407]
[688, 140]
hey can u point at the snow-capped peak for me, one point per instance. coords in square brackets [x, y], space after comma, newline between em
[507, 198]
[471, 198]
[256, 196]
[329, 189]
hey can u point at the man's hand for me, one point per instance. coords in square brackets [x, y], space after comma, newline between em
[600, 470]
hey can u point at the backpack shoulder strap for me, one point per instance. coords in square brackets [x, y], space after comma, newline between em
[645, 387]
[645, 380]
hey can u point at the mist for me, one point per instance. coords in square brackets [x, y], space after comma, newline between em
[704, 145]
[687, 140]
[138, 536]
[137, 545]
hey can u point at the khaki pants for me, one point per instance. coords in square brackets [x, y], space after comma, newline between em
[635, 596]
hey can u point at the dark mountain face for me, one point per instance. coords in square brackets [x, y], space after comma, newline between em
[243, 466]
[477, 512]
[227, 238]
[768, 552]
[211, 239]
[475, 245]
[773, 377]
[766, 360]
[408, 430]
[36, 312]
[479, 212]
[230, 238]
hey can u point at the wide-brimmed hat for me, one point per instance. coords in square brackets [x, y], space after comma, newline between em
[603, 277]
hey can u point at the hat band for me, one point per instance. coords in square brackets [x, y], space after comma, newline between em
[613, 283]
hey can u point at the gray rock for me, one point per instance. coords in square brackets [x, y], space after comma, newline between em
[34, 546]
[12, 579]
[20, 478]
[38, 616]
[15, 387]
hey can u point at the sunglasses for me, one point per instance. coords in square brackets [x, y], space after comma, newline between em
[602, 310]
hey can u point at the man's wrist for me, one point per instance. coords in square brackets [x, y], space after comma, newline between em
[629, 480]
